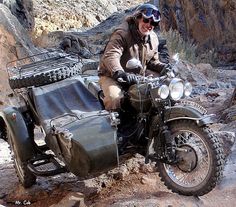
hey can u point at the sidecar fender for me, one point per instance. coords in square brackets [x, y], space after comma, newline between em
[189, 113]
[16, 125]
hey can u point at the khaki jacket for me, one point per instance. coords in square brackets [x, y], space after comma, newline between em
[126, 43]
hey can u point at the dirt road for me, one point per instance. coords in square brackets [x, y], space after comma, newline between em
[138, 187]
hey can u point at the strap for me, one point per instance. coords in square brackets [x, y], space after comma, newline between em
[143, 59]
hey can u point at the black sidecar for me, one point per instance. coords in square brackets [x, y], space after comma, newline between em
[81, 135]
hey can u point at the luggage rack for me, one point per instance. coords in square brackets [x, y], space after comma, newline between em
[41, 62]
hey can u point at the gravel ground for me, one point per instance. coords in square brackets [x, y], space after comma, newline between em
[138, 186]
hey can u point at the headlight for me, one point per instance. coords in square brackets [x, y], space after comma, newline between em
[176, 89]
[163, 91]
[188, 89]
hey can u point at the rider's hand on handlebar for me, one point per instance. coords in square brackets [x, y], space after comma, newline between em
[125, 79]
[120, 76]
[132, 79]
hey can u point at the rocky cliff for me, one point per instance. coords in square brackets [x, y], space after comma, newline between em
[23, 10]
[14, 43]
[210, 24]
[53, 15]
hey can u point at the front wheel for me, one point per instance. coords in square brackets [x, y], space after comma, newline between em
[201, 160]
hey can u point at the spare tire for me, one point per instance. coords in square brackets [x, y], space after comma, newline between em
[44, 72]
[43, 78]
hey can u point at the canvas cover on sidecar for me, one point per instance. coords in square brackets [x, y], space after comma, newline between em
[77, 129]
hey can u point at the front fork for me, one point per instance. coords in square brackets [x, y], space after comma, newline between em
[164, 146]
[169, 150]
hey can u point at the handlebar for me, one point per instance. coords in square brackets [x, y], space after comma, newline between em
[150, 79]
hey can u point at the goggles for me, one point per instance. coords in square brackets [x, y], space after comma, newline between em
[152, 23]
[151, 13]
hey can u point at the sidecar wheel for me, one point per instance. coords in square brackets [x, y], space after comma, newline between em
[199, 169]
[26, 178]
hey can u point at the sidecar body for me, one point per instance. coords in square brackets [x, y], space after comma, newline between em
[77, 130]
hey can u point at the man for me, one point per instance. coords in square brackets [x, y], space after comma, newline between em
[134, 38]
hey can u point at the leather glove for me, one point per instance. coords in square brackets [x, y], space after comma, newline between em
[120, 76]
[124, 79]
[132, 79]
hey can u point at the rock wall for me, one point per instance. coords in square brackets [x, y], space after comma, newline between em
[208, 23]
[14, 39]
[53, 15]
[23, 11]
[14, 43]
[211, 24]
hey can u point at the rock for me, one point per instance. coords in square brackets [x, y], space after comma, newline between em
[147, 168]
[214, 100]
[13, 37]
[148, 181]
[229, 114]
[74, 199]
[233, 99]
[206, 69]
[191, 72]
[121, 172]
[23, 11]
[227, 139]
[73, 44]
[76, 14]
[215, 20]
[96, 37]
[14, 43]
[161, 199]
[1, 203]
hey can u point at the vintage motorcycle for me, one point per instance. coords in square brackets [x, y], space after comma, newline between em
[155, 121]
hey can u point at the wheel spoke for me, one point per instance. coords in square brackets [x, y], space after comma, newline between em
[194, 174]
[200, 160]
[183, 178]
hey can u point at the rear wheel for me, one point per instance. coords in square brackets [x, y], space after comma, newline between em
[201, 160]
[26, 178]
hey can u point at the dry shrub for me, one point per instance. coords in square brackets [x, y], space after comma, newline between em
[187, 49]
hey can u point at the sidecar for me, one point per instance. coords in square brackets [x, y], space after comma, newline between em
[79, 135]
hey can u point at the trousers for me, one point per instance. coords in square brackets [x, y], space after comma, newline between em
[112, 93]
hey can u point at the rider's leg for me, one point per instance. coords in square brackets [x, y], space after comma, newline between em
[112, 93]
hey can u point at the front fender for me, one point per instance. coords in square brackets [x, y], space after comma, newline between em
[189, 113]
[16, 125]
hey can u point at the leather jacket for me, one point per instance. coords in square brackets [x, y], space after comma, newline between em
[126, 43]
